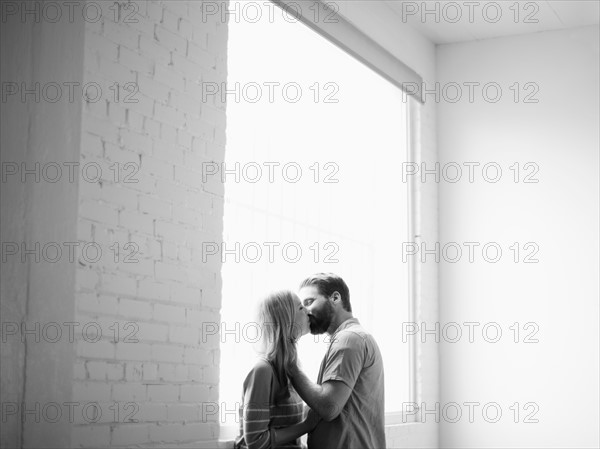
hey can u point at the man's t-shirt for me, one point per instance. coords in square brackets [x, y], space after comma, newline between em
[353, 357]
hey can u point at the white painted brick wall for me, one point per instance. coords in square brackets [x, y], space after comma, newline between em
[167, 133]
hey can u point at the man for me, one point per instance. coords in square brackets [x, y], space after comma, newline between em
[349, 393]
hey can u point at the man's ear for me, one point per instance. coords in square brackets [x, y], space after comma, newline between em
[336, 297]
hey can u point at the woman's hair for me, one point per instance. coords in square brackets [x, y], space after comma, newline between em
[276, 314]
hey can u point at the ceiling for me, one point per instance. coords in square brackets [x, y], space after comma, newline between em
[456, 21]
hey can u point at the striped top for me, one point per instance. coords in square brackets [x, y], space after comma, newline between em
[259, 413]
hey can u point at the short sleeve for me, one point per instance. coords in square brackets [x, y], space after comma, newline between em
[345, 359]
[256, 408]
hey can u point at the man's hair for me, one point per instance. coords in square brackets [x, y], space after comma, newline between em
[326, 284]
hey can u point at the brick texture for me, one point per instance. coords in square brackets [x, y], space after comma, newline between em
[149, 133]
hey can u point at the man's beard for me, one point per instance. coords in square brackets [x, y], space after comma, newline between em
[320, 320]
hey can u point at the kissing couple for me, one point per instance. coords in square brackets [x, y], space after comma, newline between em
[345, 406]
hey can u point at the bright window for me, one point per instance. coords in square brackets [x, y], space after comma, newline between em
[336, 120]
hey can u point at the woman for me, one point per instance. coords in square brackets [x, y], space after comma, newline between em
[272, 412]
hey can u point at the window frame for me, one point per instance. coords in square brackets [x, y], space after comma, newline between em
[397, 419]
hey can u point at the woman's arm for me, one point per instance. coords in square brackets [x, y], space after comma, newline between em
[256, 411]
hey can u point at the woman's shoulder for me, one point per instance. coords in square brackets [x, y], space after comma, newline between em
[261, 371]
[262, 365]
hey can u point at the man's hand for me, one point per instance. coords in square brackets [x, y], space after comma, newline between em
[292, 368]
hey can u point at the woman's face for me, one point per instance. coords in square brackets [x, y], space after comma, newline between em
[301, 325]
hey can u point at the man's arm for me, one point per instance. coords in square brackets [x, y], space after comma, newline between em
[327, 399]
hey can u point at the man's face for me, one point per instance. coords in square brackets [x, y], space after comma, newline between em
[319, 308]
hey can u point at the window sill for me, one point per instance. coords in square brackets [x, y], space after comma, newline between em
[390, 424]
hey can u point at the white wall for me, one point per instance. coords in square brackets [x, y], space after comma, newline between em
[559, 213]
[37, 372]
